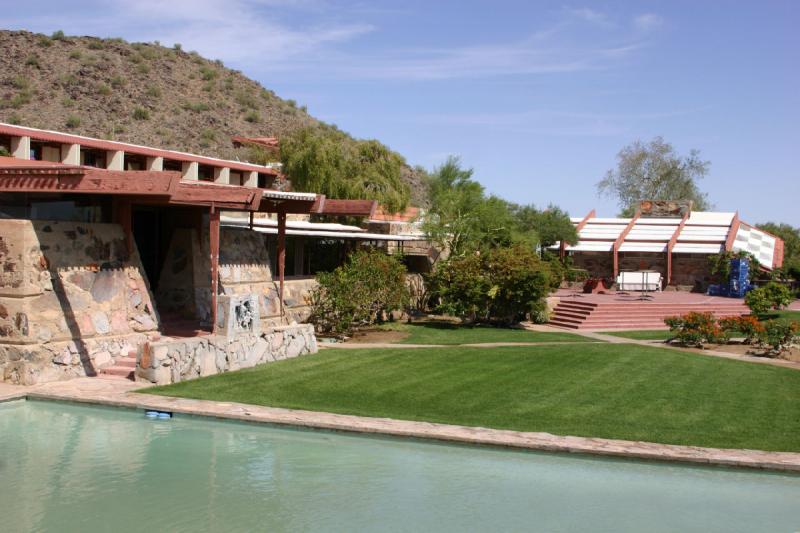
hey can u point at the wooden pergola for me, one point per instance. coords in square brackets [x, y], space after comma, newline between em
[159, 188]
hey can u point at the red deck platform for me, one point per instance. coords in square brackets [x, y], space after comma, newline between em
[623, 310]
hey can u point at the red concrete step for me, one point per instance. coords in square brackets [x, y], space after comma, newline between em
[129, 362]
[117, 371]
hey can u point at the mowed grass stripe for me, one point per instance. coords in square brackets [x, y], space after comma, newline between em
[627, 392]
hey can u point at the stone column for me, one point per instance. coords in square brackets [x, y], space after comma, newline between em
[222, 175]
[189, 170]
[250, 179]
[115, 160]
[71, 154]
[21, 147]
[155, 163]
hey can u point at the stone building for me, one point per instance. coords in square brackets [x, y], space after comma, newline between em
[118, 258]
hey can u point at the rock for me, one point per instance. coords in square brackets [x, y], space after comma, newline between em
[105, 286]
[143, 322]
[100, 322]
[82, 279]
[44, 334]
[63, 358]
[101, 359]
[135, 298]
[296, 346]
[277, 341]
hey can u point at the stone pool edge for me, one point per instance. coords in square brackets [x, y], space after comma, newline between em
[535, 441]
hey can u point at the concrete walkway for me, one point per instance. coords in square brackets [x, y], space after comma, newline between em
[120, 393]
[384, 345]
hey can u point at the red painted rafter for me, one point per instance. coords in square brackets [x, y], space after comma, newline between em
[621, 239]
[562, 247]
[673, 240]
[734, 229]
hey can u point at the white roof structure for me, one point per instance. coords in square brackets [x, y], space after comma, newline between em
[702, 232]
[314, 229]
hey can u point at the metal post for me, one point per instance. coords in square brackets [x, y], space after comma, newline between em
[213, 235]
[281, 254]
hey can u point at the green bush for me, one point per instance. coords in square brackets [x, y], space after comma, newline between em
[779, 335]
[252, 117]
[73, 121]
[696, 329]
[32, 61]
[58, 35]
[358, 293]
[770, 296]
[749, 326]
[720, 265]
[141, 113]
[503, 285]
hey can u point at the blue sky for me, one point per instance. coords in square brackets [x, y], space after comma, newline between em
[537, 97]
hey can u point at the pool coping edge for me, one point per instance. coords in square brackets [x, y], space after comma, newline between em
[786, 462]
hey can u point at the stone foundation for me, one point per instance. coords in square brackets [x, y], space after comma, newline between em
[176, 360]
[72, 299]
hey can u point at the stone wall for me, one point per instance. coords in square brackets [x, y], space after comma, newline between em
[71, 299]
[691, 271]
[175, 360]
[598, 264]
[244, 268]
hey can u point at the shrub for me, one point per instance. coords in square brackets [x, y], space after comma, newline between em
[117, 81]
[252, 117]
[696, 329]
[96, 44]
[15, 119]
[75, 54]
[748, 326]
[208, 73]
[141, 113]
[58, 35]
[195, 107]
[720, 265]
[32, 60]
[103, 89]
[779, 335]
[73, 121]
[153, 92]
[247, 100]
[45, 41]
[503, 285]
[177, 47]
[358, 292]
[773, 295]
[142, 68]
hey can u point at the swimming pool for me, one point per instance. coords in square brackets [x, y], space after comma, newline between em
[66, 467]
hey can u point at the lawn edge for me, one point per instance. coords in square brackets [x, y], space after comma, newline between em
[535, 441]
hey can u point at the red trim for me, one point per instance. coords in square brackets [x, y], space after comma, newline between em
[354, 208]
[620, 240]
[734, 229]
[671, 244]
[99, 144]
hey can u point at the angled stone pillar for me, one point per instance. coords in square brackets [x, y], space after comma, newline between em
[250, 179]
[21, 147]
[189, 170]
[71, 154]
[222, 175]
[115, 160]
[155, 163]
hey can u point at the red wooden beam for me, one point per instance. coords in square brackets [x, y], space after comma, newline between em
[213, 234]
[281, 255]
[671, 244]
[734, 229]
[621, 239]
[562, 246]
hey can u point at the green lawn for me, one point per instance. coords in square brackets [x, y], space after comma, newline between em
[447, 333]
[785, 313]
[642, 335]
[600, 390]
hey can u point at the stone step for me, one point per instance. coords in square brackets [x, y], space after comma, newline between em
[117, 371]
[129, 362]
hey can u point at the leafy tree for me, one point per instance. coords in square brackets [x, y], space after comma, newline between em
[329, 162]
[655, 171]
[791, 246]
[461, 219]
[550, 225]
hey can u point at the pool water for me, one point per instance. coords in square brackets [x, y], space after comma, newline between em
[66, 467]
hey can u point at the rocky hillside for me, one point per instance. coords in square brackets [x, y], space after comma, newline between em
[142, 93]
